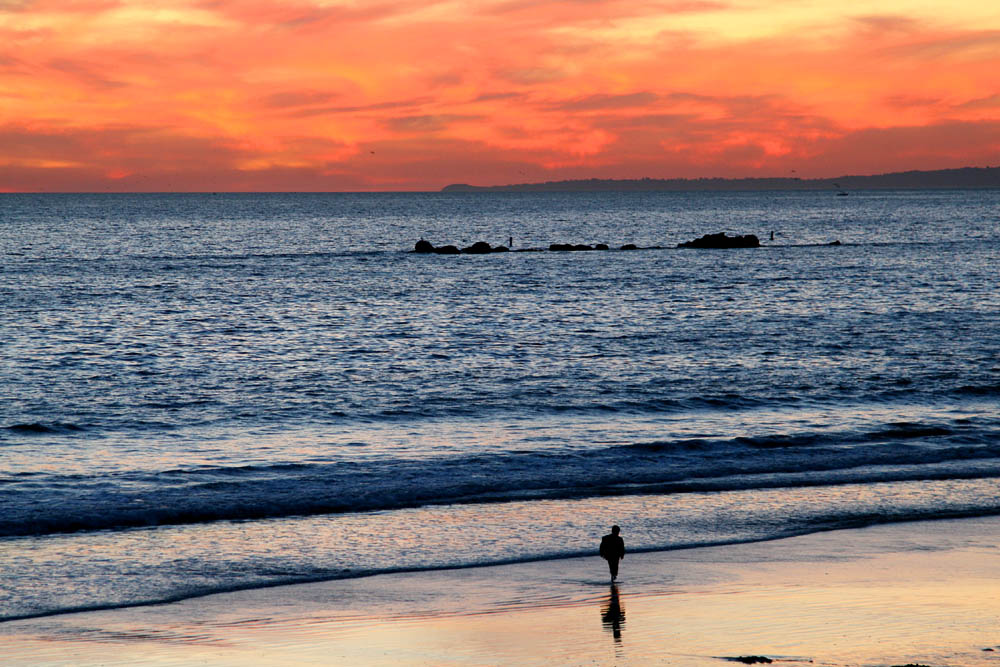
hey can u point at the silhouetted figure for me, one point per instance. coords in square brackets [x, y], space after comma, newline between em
[613, 550]
[613, 616]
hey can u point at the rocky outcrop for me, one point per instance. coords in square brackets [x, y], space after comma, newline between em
[569, 247]
[632, 246]
[720, 240]
[478, 248]
[484, 248]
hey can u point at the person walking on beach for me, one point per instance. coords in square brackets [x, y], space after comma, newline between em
[613, 550]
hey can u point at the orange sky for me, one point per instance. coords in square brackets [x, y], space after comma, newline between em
[304, 95]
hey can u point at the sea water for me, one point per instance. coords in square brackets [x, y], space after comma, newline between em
[207, 392]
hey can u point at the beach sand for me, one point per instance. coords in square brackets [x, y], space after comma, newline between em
[924, 593]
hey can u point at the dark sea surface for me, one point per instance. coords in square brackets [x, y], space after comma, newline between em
[208, 392]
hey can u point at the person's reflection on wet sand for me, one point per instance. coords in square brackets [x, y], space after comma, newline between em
[613, 616]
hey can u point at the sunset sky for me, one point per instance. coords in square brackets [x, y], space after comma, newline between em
[306, 95]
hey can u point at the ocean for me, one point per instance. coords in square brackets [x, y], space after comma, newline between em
[209, 392]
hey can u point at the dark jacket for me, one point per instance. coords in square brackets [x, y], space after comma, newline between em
[612, 546]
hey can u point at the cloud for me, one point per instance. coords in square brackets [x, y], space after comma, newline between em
[734, 106]
[300, 16]
[379, 106]
[135, 148]
[903, 101]
[887, 23]
[296, 98]
[113, 146]
[983, 44]
[509, 6]
[936, 146]
[445, 79]
[588, 10]
[426, 123]
[196, 179]
[988, 102]
[119, 158]
[604, 102]
[532, 75]
[656, 121]
[87, 75]
[495, 97]
[657, 146]
[64, 6]
[10, 63]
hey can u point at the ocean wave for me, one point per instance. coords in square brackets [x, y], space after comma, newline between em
[303, 403]
[181, 495]
[978, 390]
[40, 428]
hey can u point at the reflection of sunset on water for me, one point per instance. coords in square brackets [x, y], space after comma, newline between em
[363, 96]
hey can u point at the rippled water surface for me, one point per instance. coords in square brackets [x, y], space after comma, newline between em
[229, 370]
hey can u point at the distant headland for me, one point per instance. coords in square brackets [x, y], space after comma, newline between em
[964, 178]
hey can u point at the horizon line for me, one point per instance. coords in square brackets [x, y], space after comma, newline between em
[465, 188]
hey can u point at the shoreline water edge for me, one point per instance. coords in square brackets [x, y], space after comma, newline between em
[908, 593]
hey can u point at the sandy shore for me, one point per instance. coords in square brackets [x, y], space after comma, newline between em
[917, 593]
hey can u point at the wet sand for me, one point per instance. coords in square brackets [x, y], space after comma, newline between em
[923, 593]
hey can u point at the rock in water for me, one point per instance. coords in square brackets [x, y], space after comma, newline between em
[720, 240]
[478, 248]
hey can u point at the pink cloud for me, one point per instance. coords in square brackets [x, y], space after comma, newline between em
[988, 102]
[984, 43]
[86, 75]
[603, 102]
[296, 98]
[426, 123]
